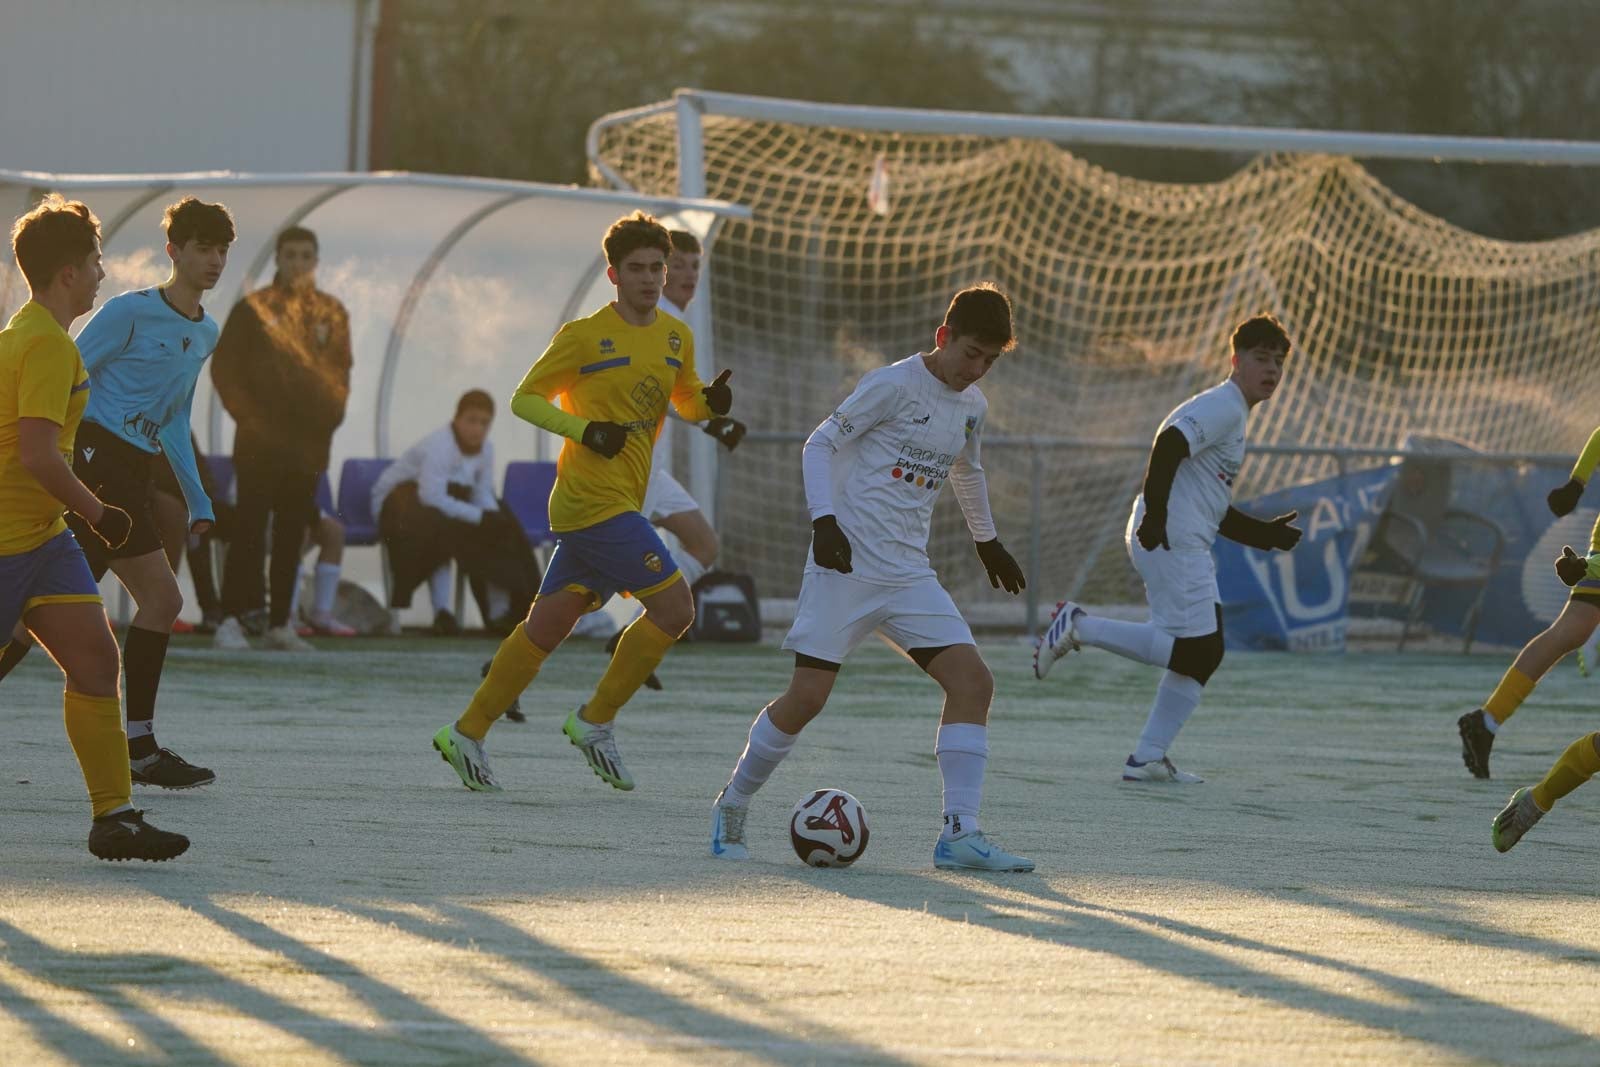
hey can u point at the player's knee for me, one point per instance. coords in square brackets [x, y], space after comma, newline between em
[1197, 657]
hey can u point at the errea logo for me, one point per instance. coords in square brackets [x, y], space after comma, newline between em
[607, 346]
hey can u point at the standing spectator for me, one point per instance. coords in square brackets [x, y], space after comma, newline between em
[283, 372]
[436, 503]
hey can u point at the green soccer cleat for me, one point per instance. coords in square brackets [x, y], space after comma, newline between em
[1515, 819]
[599, 747]
[467, 758]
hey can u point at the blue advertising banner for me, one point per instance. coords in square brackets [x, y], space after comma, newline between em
[1299, 601]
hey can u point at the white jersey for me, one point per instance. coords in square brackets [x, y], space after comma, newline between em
[444, 475]
[1213, 422]
[877, 464]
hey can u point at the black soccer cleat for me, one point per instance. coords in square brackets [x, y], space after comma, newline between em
[445, 624]
[1476, 740]
[514, 712]
[126, 836]
[651, 682]
[171, 771]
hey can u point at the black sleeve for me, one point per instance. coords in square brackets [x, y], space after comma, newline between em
[1171, 448]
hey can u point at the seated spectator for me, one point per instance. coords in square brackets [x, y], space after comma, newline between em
[436, 503]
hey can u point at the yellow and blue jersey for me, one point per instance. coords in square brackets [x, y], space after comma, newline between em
[606, 370]
[144, 357]
[42, 376]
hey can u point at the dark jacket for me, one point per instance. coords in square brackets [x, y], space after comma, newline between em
[282, 370]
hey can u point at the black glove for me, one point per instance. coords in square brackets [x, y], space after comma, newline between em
[458, 491]
[829, 546]
[1279, 534]
[1152, 531]
[606, 438]
[719, 398]
[1564, 499]
[1003, 570]
[114, 526]
[1571, 568]
[728, 432]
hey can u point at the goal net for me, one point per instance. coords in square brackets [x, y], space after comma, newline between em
[1125, 293]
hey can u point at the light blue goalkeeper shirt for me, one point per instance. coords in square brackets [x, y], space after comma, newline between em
[143, 357]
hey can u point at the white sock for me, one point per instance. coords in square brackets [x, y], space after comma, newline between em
[141, 727]
[1176, 698]
[1140, 641]
[962, 750]
[294, 597]
[1489, 723]
[499, 602]
[327, 587]
[439, 589]
[762, 754]
[692, 568]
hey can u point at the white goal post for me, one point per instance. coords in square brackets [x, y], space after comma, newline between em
[865, 219]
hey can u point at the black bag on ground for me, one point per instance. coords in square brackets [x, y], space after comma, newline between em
[725, 608]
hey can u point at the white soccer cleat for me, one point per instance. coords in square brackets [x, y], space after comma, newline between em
[974, 851]
[230, 636]
[727, 830]
[467, 758]
[284, 639]
[1157, 770]
[1059, 638]
[599, 747]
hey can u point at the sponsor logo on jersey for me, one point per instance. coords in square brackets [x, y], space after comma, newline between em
[840, 420]
[972, 424]
[652, 562]
[648, 395]
[911, 477]
[674, 342]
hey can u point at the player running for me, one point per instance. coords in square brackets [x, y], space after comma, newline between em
[1186, 503]
[872, 472]
[1577, 621]
[617, 371]
[45, 583]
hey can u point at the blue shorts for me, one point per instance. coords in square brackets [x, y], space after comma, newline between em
[621, 554]
[54, 573]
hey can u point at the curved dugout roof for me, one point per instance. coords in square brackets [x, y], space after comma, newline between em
[451, 283]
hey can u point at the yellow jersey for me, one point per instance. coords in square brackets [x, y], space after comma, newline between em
[606, 370]
[41, 377]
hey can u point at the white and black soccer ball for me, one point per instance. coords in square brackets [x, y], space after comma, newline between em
[829, 828]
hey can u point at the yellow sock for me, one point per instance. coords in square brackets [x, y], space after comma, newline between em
[94, 726]
[642, 648]
[1577, 765]
[1508, 695]
[516, 663]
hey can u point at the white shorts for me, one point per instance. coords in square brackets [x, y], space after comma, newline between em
[835, 613]
[1181, 586]
[664, 496]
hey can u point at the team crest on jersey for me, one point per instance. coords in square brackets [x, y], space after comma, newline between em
[607, 346]
[652, 562]
[972, 424]
[674, 342]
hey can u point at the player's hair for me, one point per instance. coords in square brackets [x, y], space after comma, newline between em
[983, 312]
[56, 234]
[684, 241]
[1262, 331]
[295, 233]
[191, 219]
[629, 234]
[475, 400]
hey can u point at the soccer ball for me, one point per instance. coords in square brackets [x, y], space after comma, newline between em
[829, 828]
